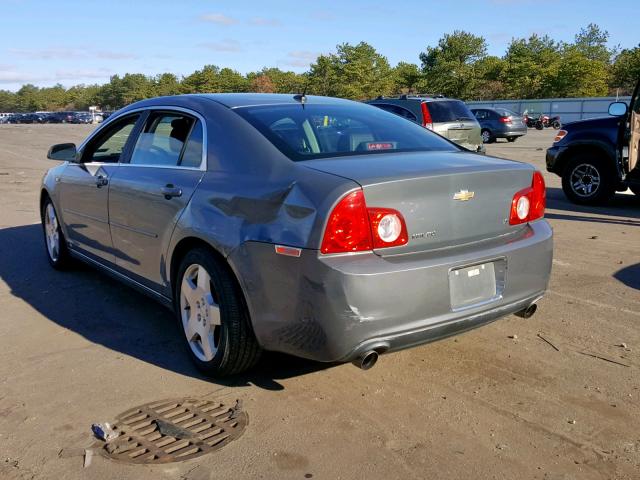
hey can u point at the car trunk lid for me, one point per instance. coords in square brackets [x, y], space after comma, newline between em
[446, 198]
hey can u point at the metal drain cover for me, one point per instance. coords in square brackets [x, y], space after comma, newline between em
[174, 430]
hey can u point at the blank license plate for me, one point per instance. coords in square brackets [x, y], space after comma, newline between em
[472, 285]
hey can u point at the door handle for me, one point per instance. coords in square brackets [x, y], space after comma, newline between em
[169, 191]
[101, 181]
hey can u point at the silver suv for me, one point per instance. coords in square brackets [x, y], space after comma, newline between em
[446, 116]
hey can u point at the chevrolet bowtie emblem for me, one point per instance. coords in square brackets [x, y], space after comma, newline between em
[463, 195]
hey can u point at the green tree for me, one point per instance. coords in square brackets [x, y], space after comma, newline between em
[450, 67]
[355, 71]
[408, 78]
[531, 67]
[592, 43]
[625, 71]
[166, 84]
[579, 75]
[202, 81]
[231, 81]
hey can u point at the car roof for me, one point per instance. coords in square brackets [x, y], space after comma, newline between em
[435, 98]
[237, 100]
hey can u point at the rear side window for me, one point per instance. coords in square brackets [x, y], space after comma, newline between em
[166, 140]
[401, 112]
[317, 131]
[449, 111]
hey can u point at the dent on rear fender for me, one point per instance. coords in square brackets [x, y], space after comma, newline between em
[285, 215]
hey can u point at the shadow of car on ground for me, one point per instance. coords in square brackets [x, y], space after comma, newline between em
[110, 314]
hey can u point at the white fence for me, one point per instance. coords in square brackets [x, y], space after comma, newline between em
[569, 109]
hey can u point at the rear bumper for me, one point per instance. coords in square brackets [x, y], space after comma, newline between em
[507, 131]
[333, 308]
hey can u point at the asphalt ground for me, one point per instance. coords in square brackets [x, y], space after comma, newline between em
[552, 397]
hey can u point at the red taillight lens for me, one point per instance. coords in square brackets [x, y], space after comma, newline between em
[529, 204]
[352, 227]
[427, 122]
[505, 119]
[348, 226]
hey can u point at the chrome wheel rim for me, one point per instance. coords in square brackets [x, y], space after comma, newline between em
[585, 180]
[200, 313]
[52, 233]
[486, 136]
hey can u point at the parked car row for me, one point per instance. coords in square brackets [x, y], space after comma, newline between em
[54, 117]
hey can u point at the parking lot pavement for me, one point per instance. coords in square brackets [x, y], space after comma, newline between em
[553, 397]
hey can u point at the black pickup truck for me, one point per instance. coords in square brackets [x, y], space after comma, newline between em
[599, 156]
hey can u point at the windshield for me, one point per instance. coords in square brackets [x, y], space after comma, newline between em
[318, 131]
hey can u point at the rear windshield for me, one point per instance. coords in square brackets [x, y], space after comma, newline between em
[318, 131]
[449, 111]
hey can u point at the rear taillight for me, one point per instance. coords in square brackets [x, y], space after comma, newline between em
[529, 204]
[427, 122]
[505, 119]
[352, 227]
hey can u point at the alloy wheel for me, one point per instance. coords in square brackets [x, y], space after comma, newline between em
[52, 232]
[585, 180]
[200, 313]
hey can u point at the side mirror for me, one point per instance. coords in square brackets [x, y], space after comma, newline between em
[618, 109]
[64, 152]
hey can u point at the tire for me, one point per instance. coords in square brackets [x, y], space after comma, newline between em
[54, 241]
[539, 126]
[588, 180]
[213, 316]
[556, 125]
[511, 139]
[487, 136]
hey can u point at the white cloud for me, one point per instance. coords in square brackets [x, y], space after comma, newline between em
[265, 22]
[67, 53]
[218, 18]
[300, 58]
[225, 46]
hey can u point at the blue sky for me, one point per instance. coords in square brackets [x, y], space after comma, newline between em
[73, 41]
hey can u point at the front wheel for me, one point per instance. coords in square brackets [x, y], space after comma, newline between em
[213, 316]
[588, 180]
[57, 252]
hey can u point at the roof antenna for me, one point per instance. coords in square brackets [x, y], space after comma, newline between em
[302, 97]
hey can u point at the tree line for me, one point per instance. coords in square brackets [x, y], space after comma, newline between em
[458, 66]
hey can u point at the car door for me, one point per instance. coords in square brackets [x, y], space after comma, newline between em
[151, 190]
[634, 126]
[84, 189]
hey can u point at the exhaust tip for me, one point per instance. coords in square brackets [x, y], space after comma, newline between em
[528, 312]
[367, 360]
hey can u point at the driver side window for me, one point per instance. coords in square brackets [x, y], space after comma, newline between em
[108, 147]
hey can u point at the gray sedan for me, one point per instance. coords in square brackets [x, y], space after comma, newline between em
[319, 227]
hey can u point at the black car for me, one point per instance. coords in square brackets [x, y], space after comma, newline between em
[599, 156]
[499, 123]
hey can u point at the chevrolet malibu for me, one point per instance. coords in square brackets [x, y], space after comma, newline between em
[319, 227]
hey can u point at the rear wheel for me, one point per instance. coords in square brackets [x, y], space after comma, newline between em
[487, 136]
[213, 316]
[57, 252]
[588, 180]
[635, 189]
[511, 139]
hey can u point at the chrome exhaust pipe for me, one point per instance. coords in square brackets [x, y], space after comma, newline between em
[366, 360]
[528, 312]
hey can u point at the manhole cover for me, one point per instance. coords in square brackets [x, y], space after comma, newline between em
[174, 430]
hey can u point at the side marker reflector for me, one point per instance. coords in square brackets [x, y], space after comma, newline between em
[288, 251]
